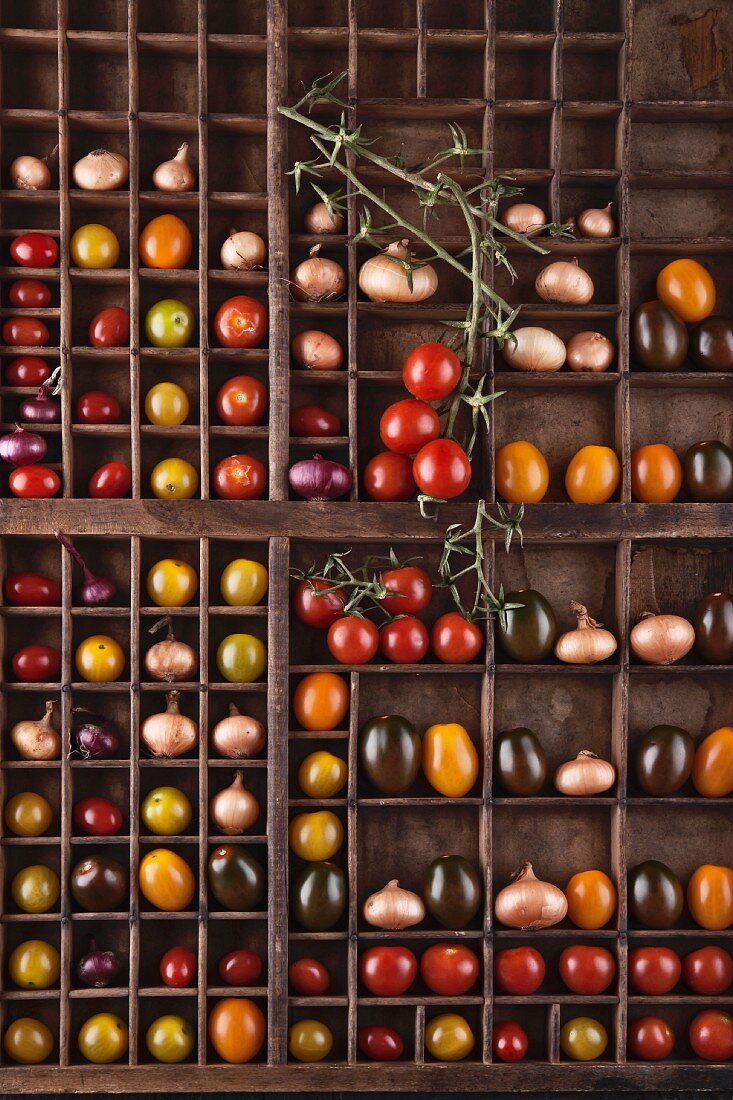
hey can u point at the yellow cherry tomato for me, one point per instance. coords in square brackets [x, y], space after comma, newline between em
[170, 1039]
[583, 1039]
[171, 583]
[165, 242]
[166, 811]
[28, 814]
[687, 288]
[244, 583]
[449, 759]
[448, 1037]
[28, 1041]
[94, 246]
[310, 1041]
[656, 474]
[174, 479]
[316, 836]
[35, 889]
[522, 473]
[166, 880]
[592, 475]
[241, 658]
[99, 659]
[321, 774]
[103, 1038]
[34, 964]
[166, 404]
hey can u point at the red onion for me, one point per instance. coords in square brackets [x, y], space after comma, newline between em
[95, 591]
[94, 737]
[22, 448]
[41, 409]
[319, 478]
[98, 968]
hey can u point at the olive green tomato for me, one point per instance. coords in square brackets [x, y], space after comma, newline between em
[520, 764]
[170, 1039]
[34, 964]
[708, 472]
[527, 633]
[241, 658]
[103, 1038]
[318, 896]
[663, 760]
[583, 1039]
[169, 324]
[94, 246]
[166, 811]
[659, 339]
[236, 878]
[244, 583]
[655, 895]
[713, 624]
[452, 891]
[390, 753]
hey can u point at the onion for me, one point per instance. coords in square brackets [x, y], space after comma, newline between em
[22, 448]
[95, 591]
[176, 174]
[661, 639]
[317, 279]
[590, 351]
[98, 969]
[528, 902]
[319, 478]
[234, 809]
[586, 775]
[319, 220]
[170, 660]
[316, 350]
[41, 409]
[393, 908]
[384, 279]
[101, 170]
[238, 737]
[597, 223]
[564, 282]
[94, 738]
[30, 173]
[37, 740]
[524, 217]
[588, 643]
[169, 733]
[242, 251]
[534, 349]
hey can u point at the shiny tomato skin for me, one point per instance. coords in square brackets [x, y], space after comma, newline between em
[309, 977]
[509, 1041]
[455, 640]
[410, 590]
[112, 481]
[34, 482]
[380, 1043]
[241, 322]
[27, 370]
[110, 328]
[98, 407]
[242, 401]
[519, 970]
[708, 971]
[239, 477]
[313, 421]
[649, 1039]
[431, 371]
[587, 970]
[654, 971]
[178, 967]
[353, 640]
[315, 610]
[34, 250]
[388, 478]
[449, 969]
[387, 971]
[442, 469]
[408, 425]
[404, 641]
[37, 664]
[25, 332]
[240, 967]
[31, 590]
[29, 294]
[711, 1035]
[97, 817]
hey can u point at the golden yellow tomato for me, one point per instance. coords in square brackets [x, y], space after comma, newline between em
[449, 759]
[103, 1038]
[99, 659]
[321, 774]
[522, 473]
[28, 1041]
[34, 964]
[170, 1039]
[94, 246]
[310, 1041]
[448, 1037]
[35, 889]
[27, 814]
[687, 288]
[166, 880]
[316, 836]
[172, 583]
[166, 404]
[174, 479]
[592, 475]
[244, 583]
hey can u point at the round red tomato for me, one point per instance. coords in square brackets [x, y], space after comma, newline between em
[449, 969]
[29, 294]
[314, 610]
[387, 971]
[34, 250]
[242, 401]
[313, 421]
[654, 971]
[34, 482]
[650, 1038]
[509, 1041]
[25, 332]
[31, 590]
[404, 641]
[27, 370]
[519, 970]
[408, 425]
[388, 478]
[97, 817]
[178, 967]
[309, 977]
[37, 664]
[241, 967]
[110, 328]
[708, 971]
[241, 322]
[113, 481]
[98, 407]
[587, 970]
[455, 640]
[410, 590]
[239, 477]
[353, 640]
[380, 1043]
[431, 371]
[711, 1035]
[442, 469]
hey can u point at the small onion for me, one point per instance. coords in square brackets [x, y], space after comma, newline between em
[101, 170]
[383, 279]
[242, 251]
[564, 282]
[169, 733]
[95, 591]
[176, 174]
[170, 660]
[319, 478]
[318, 279]
[37, 740]
[94, 738]
[393, 907]
[234, 809]
[22, 448]
[661, 639]
[98, 969]
[587, 774]
[524, 217]
[528, 902]
[238, 737]
[597, 223]
[40, 409]
[30, 173]
[319, 220]
[316, 350]
[534, 349]
[588, 643]
[590, 351]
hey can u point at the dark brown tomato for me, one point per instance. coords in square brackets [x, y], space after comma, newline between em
[527, 633]
[390, 753]
[520, 764]
[708, 472]
[452, 891]
[711, 344]
[236, 878]
[713, 624]
[658, 338]
[655, 895]
[318, 896]
[663, 760]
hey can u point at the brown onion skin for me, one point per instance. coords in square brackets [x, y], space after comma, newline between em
[590, 351]
[238, 737]
[661, 639]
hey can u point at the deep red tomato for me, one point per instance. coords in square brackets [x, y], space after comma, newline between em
[654, 971]
[388, 478]
[315, 610]
[309, 977]
[519, 970]
[37, 664]
[411, 587]
[313, 420]
[442, 469]
[381, 1044]
[509, 1041]
[110, 328]
[178, 967]
[34, 250]
[240, 967]
[34, 482]
[587, 970]
[711, 1035]
[431, 371]
[455, 640]
[353, 640]
[98, 407]
[31, 590]
[449, 969]
[242, 401]
[112, 481]
[241, 322]
[27, 370]
[387, 971]
[408, 425]
[30, 294]
[404, 641]
[97, 817]
[650, 1038]
[708, 971]
[239, 477]
[25, 332]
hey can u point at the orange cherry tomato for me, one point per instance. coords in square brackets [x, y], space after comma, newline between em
[165, 242]
[592, 475]
[166, 880]
[236, 1029]
[712, 768]
[591, 899]
[710, 897]
[522, 473]
[687, 288]
[656, 474]
[321, 701]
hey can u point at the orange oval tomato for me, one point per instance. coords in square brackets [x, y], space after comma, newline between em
[165, 242]
[591, 899]
[449, 759]
[321, 701]
[166, 880]
[687, 288]
[236, 1029]
[712, 768]
[710, 897]
[522, 473]
[592, 475]
[656, 474]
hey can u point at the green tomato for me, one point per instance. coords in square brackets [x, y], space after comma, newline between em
[169, 1039]
[244, 583]
[94, 246]
[34, 964]
[241, 658]
[169, 324]
[166, 811]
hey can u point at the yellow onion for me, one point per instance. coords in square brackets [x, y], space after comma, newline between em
[176, 174]
[37, 740]
[382, 279]
[170, 660]
[169, 733]
[318, 279]
[242, 251]
[319, 220]
[528, 902]
[597, 223]
[393, 907]
[316, 350]
[588, 643]
[238, 736]
[590, 351]
[534, 349]
[30, 173]
[564, 282]
[586, 775]
[524, 217]
[661, 639]
[234, 809]
[101, 170]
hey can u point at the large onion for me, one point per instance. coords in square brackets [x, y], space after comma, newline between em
[528, 902]
[382, 279]
[564, 282]
[661, 639]
[101, 170]
[534, 349]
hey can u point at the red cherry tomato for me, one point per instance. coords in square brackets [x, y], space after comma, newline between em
[25, 332]
[387, 971]
[241, 322]
[242, 401]
[431, 371]
[27, 370]
[509, 1041]
[411, 587]
[388, 478]
[34, 482]
[381, 1044]
[110, 328]
[449, 969]
[37, 664]
[30, 294]
[309, 977]
[239, 477]
[404, 641]
[408, 425]
[97, 817]
[98, 407]
[442, 469]
[455, 640]
[31, 590]
[178, 967]
[34, 250]
[650, 1038]
[711, 1035]
[519, 970]
[654, 971]
[313, 420]
[708, 971]
[112, 481]
[240, 967]
[587, 970]
[315, 610]
[353, 640]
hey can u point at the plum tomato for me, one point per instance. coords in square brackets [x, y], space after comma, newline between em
[34, 482]
[314, 610]
[34, 250]
[687, 288]
[711, 1035]
[387, 971]
[519, 970]
[112, 481]
[656, 474]
[404, 641]
[241, 322]
[31, 590]
[240, 967]
[242, 401]
[29, 294]
[239, 477]
[165, 243]
[442, 469]
[408, 425]
[97, 817]
[98, 407]
[353, 640]
[313, 421]
[449, 969]
[708, 971]
[388, 478]
[509, 1041]
[409, 590]
[455, 640]
[110, 328]
[649, 1039]
[25, 332]
[380, 1043]
[27, 370]
[431, 371]
[37, 664]
[178, 967]
[587, 970]
[522, 473]
[309, 977]
[654, 971]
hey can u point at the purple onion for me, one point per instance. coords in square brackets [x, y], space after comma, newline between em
[94, 738]
[41, 409]
[95, 591]
[22, 448]
[98, 969]
[319, 478]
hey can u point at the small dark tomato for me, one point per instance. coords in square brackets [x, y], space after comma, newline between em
[313, 421]
[241, 322]
[37, 664]
[315, 610]
[318, 896]
[34, 482]
[27, 370]
[449, 969]
[239, 477]
[527, 633]
[654, 971]
[404, 641]
[390, 753]
[520, 764]
[650, 1038]
[711, 1035]
[455, 639]
[587, 970]
[112, 481]
[97, 817]
[380, 1043]
[711, 344]
[236, 878]
[98, 407]
[34, 250]
[242, 401]
[110, 328]
[655, 895]
[387, 971]
[309, 977]
[708, 971]
[353, 640]
[240, 967]
[408, 425]
[663, 760]
[708, 472]
[409, 590]
[452, 891]
[25, 332]
[509, 1041]
[99, 884]
[659, 339]
[388, 478]
[178, 967]
[31, 590]
[713, 622]
[29, 294]
[519, 970]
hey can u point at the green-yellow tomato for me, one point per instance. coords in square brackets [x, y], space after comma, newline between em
[241, 658]
[166, 811]
[169, 324]
[244, 583]
[94, 246]
[583, 1039]
[35, 889]
[170, 1039]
